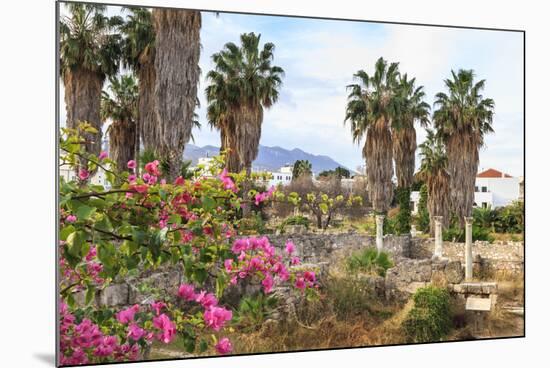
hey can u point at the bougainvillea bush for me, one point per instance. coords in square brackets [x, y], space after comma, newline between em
[140, 223]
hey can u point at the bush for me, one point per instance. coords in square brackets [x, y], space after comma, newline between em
[430, 319]
[350, 297]
[454, 233]
[369, 260]
[423, 217]
[294, 220]
[254, 310]
[254, 224]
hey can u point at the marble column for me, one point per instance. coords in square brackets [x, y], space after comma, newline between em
[379, 232]
[468, 248]
[438, 249]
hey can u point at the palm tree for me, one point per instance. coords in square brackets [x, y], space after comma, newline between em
[433, 171]
[90, 52]
[177, 52]
[121, 108]
[243, 83]
[372, 106]
[462, 119]
[413, 109]
[138, 50]
[301, 168]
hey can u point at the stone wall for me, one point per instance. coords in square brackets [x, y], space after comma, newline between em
[316, 248]
[502, 256]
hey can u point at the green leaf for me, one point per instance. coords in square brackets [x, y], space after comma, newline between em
[208, 203]
[84, 212]
[74, 243]
[323, 207]
[203, 345]
[90, 294]
[66, 231]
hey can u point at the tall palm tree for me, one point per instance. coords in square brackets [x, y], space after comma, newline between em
[433, 171]
[301, 168]
[413, 109]
[243, 83]
[372, 106]
[121, 107]
[90, 52]
[138, 50]
[462, 118]
[177, 52]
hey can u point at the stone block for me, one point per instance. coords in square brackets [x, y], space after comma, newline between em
[454, 272]
[114, 295]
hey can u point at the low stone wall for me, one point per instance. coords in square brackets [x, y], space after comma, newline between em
[316, 248]
[494, 257]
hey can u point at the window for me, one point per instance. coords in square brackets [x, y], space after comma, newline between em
[484, 204]
[484, 189]
[477, 188]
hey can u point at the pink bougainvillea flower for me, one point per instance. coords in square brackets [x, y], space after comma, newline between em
[157, 307]
[132, 178]
[179, 181]
[135, 332]
[83, 174]
[267, 283]
[215, 317]
[227, 181]
[233, 280]
[295, 261]
[309, 276]
[152, 168]
[140, 188]
[290, 247]
[187, 292]
[71, 218]
[300, 283]
[167, 328]
[207, 300]
[102, 155]
[224, 346]
[127, 315]
[228, 264]
[131, 164]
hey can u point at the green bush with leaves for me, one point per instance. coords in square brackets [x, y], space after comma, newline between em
[423, 217]
[454, 233]
[253, 311]
[430, 319]
[369, 260]
[294, 220]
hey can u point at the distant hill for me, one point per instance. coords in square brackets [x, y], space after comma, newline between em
[269, 158]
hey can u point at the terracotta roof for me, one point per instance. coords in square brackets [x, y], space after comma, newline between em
[492, 173]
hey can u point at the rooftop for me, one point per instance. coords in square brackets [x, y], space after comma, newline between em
[492, 173]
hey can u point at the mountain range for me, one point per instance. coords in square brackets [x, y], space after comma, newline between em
[269, 158]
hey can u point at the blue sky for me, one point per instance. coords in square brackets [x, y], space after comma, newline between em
[320, 57]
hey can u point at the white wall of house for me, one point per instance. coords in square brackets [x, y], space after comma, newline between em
[496, 192]
[280, 177]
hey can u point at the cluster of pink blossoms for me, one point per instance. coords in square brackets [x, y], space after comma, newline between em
[214, 316]
[263, 196]
[84, 343]
[256, 256]
[228, 183]
[89, 268]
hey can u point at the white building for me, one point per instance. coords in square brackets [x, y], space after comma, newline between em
[282, 176]
[496, 189]
[492, 189]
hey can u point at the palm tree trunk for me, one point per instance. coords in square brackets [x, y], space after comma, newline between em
[378, 155]
[177, 51]
[463, 153]
[83, 104]
[147, 117]
[122, 140]
[438, 198]
[404, 148]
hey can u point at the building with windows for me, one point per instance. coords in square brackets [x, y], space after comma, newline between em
[492, 189]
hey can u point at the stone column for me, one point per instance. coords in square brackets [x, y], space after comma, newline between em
[379, 232]
[438, 250]
[468, 248]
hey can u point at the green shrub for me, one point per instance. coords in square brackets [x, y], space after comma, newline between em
[369, 260]
[454, 233]
[294, 220]
[403, 219]
[349, 296]
[430, 319]
[254, 224]
[254, 310]
[423, 217]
